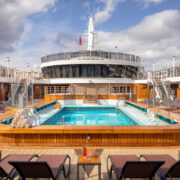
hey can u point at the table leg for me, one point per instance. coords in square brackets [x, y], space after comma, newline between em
[99, 171]
[77, 172]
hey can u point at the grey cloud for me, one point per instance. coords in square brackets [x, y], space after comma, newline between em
[156, 37]
[12, 15]
[65, 39]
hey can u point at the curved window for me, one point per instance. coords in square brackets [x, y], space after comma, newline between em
[91, 70]
[83, 70]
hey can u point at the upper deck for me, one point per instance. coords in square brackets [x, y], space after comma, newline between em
[91, 57]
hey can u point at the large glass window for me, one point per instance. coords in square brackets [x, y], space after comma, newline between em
[83, 70]
[52, 72]
[91, 71]
[63, 71]
[104, 71]
[60, 71]
[57, 72]
[70, 71]
[75, 70]
[98, 70]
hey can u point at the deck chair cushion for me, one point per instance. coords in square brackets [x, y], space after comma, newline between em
[54, 161]
[47, 166]
[120, 160]
[32, 169]
[6, 168]
[140, 169]
[169, 161]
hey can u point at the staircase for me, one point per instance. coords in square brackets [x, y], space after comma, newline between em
[155, 82]
[90, 99]
[21, 89]
[163, 93]
[167, 90]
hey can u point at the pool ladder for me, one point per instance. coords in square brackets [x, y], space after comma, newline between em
[117, 106]
[33, 113]
[150, 114]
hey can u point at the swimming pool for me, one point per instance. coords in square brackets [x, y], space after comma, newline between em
[110, 116]
[90, 116]
[96, 115]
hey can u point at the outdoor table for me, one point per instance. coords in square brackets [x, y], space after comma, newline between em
[86, 161]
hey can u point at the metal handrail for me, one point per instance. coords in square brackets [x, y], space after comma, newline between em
[164, 73]
[13, 73]
[97, 55]
[34, 114]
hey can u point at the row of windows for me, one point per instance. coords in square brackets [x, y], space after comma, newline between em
[57, 89]
[115, 89]
[120, 89]
[111, 71]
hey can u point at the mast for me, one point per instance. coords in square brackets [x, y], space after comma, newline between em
[90, 34]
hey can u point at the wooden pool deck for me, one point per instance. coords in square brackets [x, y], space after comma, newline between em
[163, 111]
[73, 152]
[11, 112]
[68, 135]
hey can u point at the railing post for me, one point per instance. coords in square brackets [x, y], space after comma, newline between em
[55, 92]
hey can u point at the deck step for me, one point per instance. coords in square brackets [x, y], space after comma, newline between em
[90, 101]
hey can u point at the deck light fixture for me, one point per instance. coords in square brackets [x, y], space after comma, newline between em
[88, 137]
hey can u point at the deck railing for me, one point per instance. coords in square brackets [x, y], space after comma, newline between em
[14, 73]
[91, 55]
[161, 74]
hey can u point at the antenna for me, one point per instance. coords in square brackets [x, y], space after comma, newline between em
[49, 51]
[90, 34]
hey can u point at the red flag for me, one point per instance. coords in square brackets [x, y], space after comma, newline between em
[80, 41]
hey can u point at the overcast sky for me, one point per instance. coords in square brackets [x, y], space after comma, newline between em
[29, 28]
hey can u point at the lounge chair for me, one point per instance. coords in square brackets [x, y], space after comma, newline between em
[175, 105]
[46, 166]
[129, 166]
[6, 170]
[171, 167]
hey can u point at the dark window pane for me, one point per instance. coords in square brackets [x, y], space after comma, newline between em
[90, 71]
[105, 70]
[97, 70]
[70, 73]
[63, 71]
[83, 70]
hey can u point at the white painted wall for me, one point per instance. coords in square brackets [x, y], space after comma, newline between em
[107, 102]
[79, 61]
[100, 102]
[71, 102]
[91, 80]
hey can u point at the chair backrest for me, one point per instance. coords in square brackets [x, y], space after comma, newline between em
[29, 169]
[2, 172]
[174, 171]
[140, 169]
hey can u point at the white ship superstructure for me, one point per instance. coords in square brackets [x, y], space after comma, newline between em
[90, 65]
[103, 72]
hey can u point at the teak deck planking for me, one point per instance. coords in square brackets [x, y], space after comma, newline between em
[99, 136]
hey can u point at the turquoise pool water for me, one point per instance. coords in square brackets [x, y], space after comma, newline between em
[90, 116]
[96, 115]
